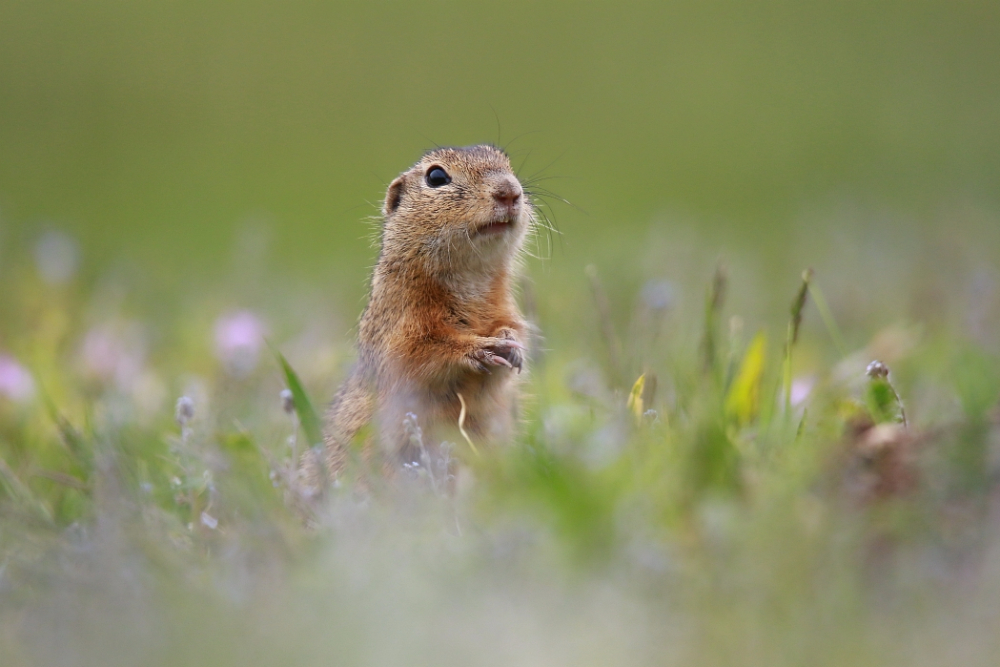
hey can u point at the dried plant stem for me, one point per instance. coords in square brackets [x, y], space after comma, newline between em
[827, 316]
[461, 425]
[899, 402]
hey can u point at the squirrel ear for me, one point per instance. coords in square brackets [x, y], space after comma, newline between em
[393, 196]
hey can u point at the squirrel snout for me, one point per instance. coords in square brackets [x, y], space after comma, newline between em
[507, 191]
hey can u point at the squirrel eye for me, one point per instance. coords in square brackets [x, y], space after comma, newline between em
[436, 177]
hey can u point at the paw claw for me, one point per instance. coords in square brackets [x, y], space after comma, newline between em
[503, 351]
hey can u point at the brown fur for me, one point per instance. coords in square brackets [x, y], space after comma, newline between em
[441, 318]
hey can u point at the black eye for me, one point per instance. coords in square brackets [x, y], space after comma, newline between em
[436, 177]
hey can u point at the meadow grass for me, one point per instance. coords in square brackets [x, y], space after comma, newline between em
[683, 491]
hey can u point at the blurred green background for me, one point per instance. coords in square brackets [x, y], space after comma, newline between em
[180, 180]
[158, 133]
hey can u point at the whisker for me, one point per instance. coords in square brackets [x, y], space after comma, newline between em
[542, 192]
[538, 179]
[523, 134]
[524, 162]
[543, 169]
[497, 116]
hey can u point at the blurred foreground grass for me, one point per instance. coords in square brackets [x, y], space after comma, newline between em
[697, 482]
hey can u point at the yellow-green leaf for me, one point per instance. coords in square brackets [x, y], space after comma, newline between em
[635, 402]
[743, 400]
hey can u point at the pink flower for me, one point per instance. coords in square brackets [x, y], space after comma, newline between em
[801, 388]
[16, 382]
[238, 339]
[114, 352]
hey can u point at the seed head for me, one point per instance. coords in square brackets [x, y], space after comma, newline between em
[877, 369]
[798, 304]
[185, 410]
[287, 401]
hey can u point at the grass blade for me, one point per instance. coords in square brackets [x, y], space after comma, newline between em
[303, 406]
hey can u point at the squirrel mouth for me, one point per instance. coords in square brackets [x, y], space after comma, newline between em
[496, 227]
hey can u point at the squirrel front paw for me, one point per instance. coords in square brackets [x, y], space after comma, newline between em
[503, 351]
[513, 350]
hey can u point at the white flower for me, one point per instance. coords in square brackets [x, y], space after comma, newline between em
[801, 388]
[877, 369]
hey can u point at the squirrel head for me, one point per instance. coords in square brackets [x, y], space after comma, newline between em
[459, 208]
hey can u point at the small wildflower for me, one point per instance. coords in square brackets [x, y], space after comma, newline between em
[801, 388]
[877, 369]
[185, 410]
[238, 339]
[114, 352]
[287, 401]
[56, 257]
[659, 295]
[209, 521]
[16, 382]
[413, 431]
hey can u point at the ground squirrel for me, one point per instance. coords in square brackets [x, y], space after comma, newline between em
[441, 321]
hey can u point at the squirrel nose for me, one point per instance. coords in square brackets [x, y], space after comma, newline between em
[507, 192]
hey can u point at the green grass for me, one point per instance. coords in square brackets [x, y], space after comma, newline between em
[755, 499]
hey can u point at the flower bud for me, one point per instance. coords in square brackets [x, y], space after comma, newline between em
[877, 369]
[185, 410]
[287, 401]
